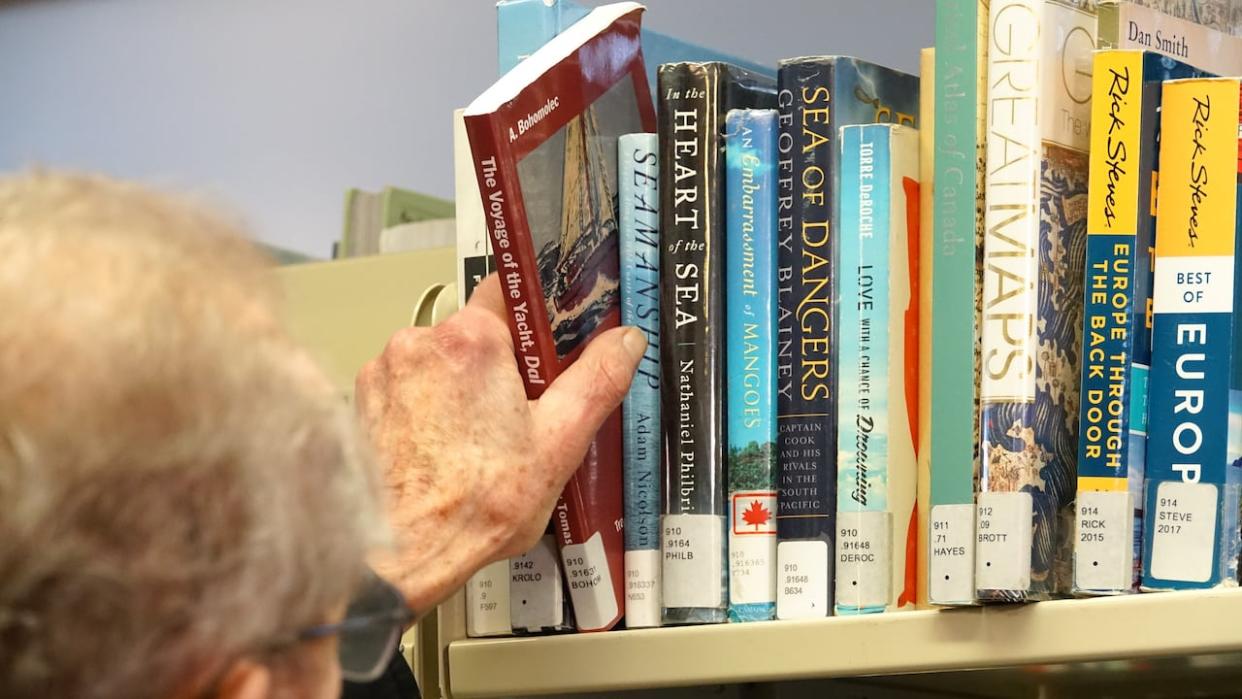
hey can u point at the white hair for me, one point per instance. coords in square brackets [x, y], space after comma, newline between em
[179, 483]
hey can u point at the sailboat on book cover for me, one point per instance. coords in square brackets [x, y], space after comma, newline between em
[544, 143]
[580, 271]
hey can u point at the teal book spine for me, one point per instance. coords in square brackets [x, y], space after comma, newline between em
[957, 268]
[525, 25]
[750, 356]
[522, 26]
[878, 364]
[638, 158]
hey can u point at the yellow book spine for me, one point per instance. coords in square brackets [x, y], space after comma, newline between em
[1200, 138]
[1113, 211]
[1116, 112]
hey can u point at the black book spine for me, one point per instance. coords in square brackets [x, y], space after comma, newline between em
[806, 342]
[694, 99]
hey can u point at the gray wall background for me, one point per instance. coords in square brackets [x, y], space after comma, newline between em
[273, 108]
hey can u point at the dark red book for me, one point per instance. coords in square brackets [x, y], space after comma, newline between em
[544, 140]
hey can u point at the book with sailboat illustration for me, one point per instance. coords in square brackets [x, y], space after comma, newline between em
[544, 141]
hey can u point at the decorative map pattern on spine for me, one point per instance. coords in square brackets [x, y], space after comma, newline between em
[1039, 60]
[1125, 24]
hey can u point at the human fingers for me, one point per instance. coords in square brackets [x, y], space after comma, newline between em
[485, 312]
[573, 407]
[487, 296]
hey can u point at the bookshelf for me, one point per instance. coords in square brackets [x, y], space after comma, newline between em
[1149, 645]
[1167, 645]
[1170, 643]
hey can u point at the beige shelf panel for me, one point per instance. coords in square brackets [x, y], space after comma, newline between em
[345, 310]
[1187, 624]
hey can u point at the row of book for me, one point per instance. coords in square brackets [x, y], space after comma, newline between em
[877, 379]
[1088, 292]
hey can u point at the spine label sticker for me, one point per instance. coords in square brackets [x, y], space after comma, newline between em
[642, 588]
[951, 554]
[802, 580]
[536, 599]
[590, 584]
[1184, 534]
[487, 601]
[693, 561]
[864, 561]
[1003, 541]
[1104, 541]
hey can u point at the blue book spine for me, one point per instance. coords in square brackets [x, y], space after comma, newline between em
[638, 156]
[523, 26]
[863, 533]
[1194, 447]
[750, 300]
[816, 97]
[878, 366]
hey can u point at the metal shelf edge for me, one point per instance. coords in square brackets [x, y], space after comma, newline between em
[1063, 631]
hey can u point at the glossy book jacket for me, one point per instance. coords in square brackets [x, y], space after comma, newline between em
[818, 95]
[877, 524]
[638, 160]
[544, 141]
[1117, 284]
[1034, 248]
[694, 100]
[750, 352]
[1194, 445]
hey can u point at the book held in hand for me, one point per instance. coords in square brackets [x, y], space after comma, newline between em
[544, 141]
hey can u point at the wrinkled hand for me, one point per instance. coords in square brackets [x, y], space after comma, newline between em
[473, 468]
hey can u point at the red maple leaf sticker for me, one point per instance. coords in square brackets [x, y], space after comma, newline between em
[757, 515]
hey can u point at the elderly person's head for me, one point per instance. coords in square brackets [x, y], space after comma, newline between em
[183, 499]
